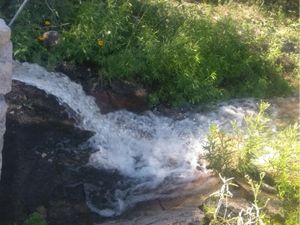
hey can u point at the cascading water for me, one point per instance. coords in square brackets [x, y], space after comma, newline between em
[157, 154]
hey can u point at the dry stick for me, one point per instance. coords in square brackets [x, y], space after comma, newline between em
[61, 25]
[18, 12]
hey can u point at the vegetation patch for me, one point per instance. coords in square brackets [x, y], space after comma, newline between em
[35, 219]
[181, 52]
[259, 148]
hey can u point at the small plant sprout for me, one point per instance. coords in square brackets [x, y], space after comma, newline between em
[223, 194]
[246, 216]
[253, 214]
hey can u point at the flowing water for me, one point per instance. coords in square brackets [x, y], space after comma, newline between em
[157, 154]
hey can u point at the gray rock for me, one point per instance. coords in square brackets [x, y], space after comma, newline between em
[185, 216]
[5, 76]
[6, 52]
[5, 67]
[4, 32]
[3, 108]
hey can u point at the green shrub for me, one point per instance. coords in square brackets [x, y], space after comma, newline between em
[257, 149]
[29, 26]
[35, 219]
[179, 54]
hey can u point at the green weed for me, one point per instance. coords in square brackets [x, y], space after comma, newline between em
[35, 219]
[180, 52]
[258, 148]
[223, 215]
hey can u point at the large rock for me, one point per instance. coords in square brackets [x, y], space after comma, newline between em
[42, 160]
[4, 32]
[185, 216]
[5, 76]
[2, 125]
[5, 67]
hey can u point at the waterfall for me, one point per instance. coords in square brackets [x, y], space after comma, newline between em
[156, 153]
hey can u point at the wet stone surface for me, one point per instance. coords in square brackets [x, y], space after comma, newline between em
[109, 97]
[45, 170]
[44, 162]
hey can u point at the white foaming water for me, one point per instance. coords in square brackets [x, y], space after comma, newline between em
[159, 153]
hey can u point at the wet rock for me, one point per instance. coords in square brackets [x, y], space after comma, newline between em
[32, 106]
[3, 108]
[41, 127]
[186, 216]
[181, 210]
[42, 211]
[5, 76]
[62, 212]
[109, 97]
[6, 66]
[129, 95]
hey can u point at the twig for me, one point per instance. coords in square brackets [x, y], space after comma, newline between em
[61, 25]
[49, 7]
[17, 13]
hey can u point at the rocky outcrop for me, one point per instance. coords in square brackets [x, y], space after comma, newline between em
[109, 97]
[2, 126]
[43, 166]
[5, 76]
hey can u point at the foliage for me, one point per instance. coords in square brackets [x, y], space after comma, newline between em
[31, 24]
[259, 148]
[180, 52]
[35, 219]
[253, 214]
[289, 7]
[177, 53]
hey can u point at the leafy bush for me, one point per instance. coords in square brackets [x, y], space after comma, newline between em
[178, 53]
[35, 219]
[258, 148]
[30, 25]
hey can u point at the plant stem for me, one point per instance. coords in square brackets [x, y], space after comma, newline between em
[17, 13]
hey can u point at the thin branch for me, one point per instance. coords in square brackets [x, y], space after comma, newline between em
[17, 13]
[61, 25]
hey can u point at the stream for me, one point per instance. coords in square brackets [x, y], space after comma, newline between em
[157, 155]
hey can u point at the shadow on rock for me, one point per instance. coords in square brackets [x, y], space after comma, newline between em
[44, 162]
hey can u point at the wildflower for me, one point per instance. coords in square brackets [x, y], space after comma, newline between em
[100, 43]
[49, 38]
[40, 38]
[47, 23]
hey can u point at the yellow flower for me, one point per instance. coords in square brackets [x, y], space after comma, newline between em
[47, 23]
[40, 38]
[100, 43]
